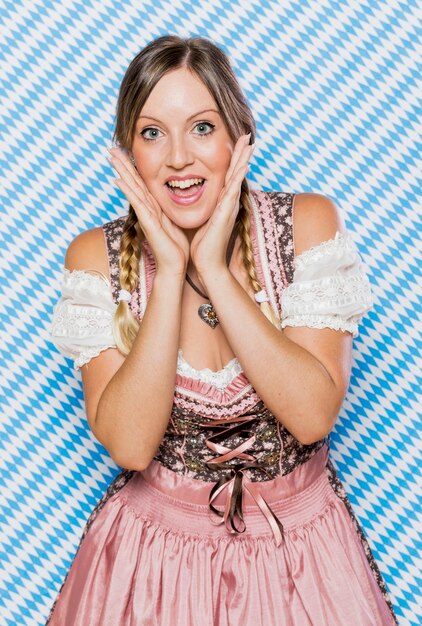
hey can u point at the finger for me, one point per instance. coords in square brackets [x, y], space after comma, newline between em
[142, 210]
[120, 162]
[243, 159]
[129, 180]
[164, 219]
[243, 162]
[122, 156]
[125, 172]
[240, 144]
[234, 190]
[132, 177]
[235, 186]
[229, 203]
[139, 195]
[242, 166]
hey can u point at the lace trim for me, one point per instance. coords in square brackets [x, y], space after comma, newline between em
[87, 354]
[330, 292]
[72, 278]
[338, 246]
[219, 379]
[80, 321]
[324, 321]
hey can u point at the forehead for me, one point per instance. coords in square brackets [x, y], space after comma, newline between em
[177, 95]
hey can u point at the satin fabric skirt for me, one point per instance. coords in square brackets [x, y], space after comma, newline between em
[156, 556]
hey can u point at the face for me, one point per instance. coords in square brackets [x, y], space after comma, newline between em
[180, 134]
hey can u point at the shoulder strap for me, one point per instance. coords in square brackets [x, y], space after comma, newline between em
[112, 231]
[282, 206]
[274, 236]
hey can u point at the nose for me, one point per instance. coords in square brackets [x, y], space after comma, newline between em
[179, 153]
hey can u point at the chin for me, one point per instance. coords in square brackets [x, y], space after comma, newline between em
[186, 216]
[189, 221]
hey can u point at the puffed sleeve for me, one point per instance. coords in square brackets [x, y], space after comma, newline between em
[82, 318]
[330, 288]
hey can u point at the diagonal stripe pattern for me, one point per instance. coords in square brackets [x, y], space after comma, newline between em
[334, 90]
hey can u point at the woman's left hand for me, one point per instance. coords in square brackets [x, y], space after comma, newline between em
[209, 245]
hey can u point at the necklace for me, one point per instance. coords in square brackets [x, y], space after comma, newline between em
[206, 311]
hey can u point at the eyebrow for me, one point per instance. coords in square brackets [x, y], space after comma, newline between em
[189, 118]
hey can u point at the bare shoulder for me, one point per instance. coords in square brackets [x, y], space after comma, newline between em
[88, 251]
[316, 218]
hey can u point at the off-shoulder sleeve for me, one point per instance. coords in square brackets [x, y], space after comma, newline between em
[82, 318]
[330, 287]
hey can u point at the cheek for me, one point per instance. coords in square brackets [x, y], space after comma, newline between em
[146, 167]
[219, 159]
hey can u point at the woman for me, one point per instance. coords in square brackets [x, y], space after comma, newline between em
[218, 324]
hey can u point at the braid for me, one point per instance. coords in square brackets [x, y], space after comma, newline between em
[248, 258]
[126, 325]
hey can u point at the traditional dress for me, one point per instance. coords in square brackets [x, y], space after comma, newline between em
[234, 522]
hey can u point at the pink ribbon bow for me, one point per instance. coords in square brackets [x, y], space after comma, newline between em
[236, 479]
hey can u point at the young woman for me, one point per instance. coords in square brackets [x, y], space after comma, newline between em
[213, 328]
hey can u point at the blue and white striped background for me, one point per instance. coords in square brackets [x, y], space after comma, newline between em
[334, 87]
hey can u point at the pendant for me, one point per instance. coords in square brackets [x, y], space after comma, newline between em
[206, 312]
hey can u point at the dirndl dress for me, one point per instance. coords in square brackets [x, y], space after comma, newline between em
[234, 522]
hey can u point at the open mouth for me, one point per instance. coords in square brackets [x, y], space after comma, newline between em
[186, 192]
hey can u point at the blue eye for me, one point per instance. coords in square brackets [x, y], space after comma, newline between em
[154, 130]
[212, 126]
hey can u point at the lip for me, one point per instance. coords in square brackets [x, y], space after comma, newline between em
[183, 177]
[186, 199]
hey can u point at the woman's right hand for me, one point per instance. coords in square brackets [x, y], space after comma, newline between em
[168, 242]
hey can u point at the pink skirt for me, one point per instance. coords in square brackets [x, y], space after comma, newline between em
[156, 555]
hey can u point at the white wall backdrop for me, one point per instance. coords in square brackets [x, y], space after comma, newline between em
[334, 87]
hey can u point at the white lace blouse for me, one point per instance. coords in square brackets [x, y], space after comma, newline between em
[330, 289]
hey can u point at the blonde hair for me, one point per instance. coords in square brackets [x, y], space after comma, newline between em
[212, 66]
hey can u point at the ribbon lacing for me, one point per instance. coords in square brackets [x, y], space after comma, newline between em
[236, 479]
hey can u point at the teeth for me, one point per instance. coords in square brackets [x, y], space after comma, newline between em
[183, 184]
